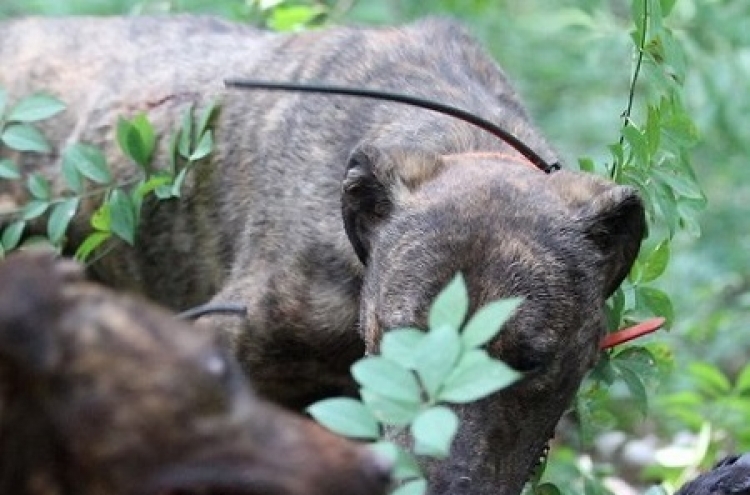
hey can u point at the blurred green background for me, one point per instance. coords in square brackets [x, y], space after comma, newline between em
[572, 60]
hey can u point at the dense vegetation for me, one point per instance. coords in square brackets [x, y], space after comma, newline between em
[574, 63]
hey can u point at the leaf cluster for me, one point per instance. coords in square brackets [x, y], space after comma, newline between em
[87, 176]
[19, 132]
[403, 391]
[652, 155]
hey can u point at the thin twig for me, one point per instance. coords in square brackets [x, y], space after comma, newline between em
[631, 94]
[99, 191]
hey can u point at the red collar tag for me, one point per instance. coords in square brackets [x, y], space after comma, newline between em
[629, 333]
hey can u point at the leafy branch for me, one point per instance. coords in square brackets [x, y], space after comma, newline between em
[641, 46]
[652, 154]
[403, 390]
[86, 175]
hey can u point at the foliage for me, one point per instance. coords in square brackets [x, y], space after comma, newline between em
[87, 175]
[653, 155]
[18, 132]
[404, 388]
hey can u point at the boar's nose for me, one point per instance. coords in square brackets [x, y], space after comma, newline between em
[460, 486]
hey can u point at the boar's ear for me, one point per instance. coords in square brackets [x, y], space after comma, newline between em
[611, 216]
[376, 179]
[30, 307]
[614, 219]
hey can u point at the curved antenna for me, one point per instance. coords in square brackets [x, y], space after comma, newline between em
[415, 101]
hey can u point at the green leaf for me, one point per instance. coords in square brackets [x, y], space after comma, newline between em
[386, 378]
[682, 400]
[176, 189]
[656, 263]
[641, 361]
[387, 410]
[72, 176]
[638, 146]
[487, 322]
[451, 304]
[666, 9]
[147, 138]
[593, 486]
[166, 192]
[399, 344]
[680, 129]
[206, 117]
[39, 187]
[92, 241]
[25, 137]
[636, 387]
[205, 145]
[153, 183]
[59, 219]
[710, 379]
[172, 153]
[122, 215]
[637, 13]
[433, 431]
[34, 209]
[9, 170]
[667, 203]
[652, 130]
[186, 133]
[680, 184]
[586, 164]
[35, 107]
[137, 139]
[346, 417]
[101, 219]
[475, 377]
[436, 356]
[741, 385]
[293, 17]
[11, 235]
[89, 161]
[125, 133]
[547, 489]
[658, 302]
[589, 408]
[615, 307]
[603, 370]
[414, 487]
[618, 157]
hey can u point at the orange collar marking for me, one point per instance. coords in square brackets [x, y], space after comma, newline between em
[492, 154]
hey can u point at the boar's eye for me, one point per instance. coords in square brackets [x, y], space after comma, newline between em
[528, 363]
[527, 358]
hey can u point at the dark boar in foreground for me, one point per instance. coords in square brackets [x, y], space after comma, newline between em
[336, 218]
[105, 395]
[730, 476]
